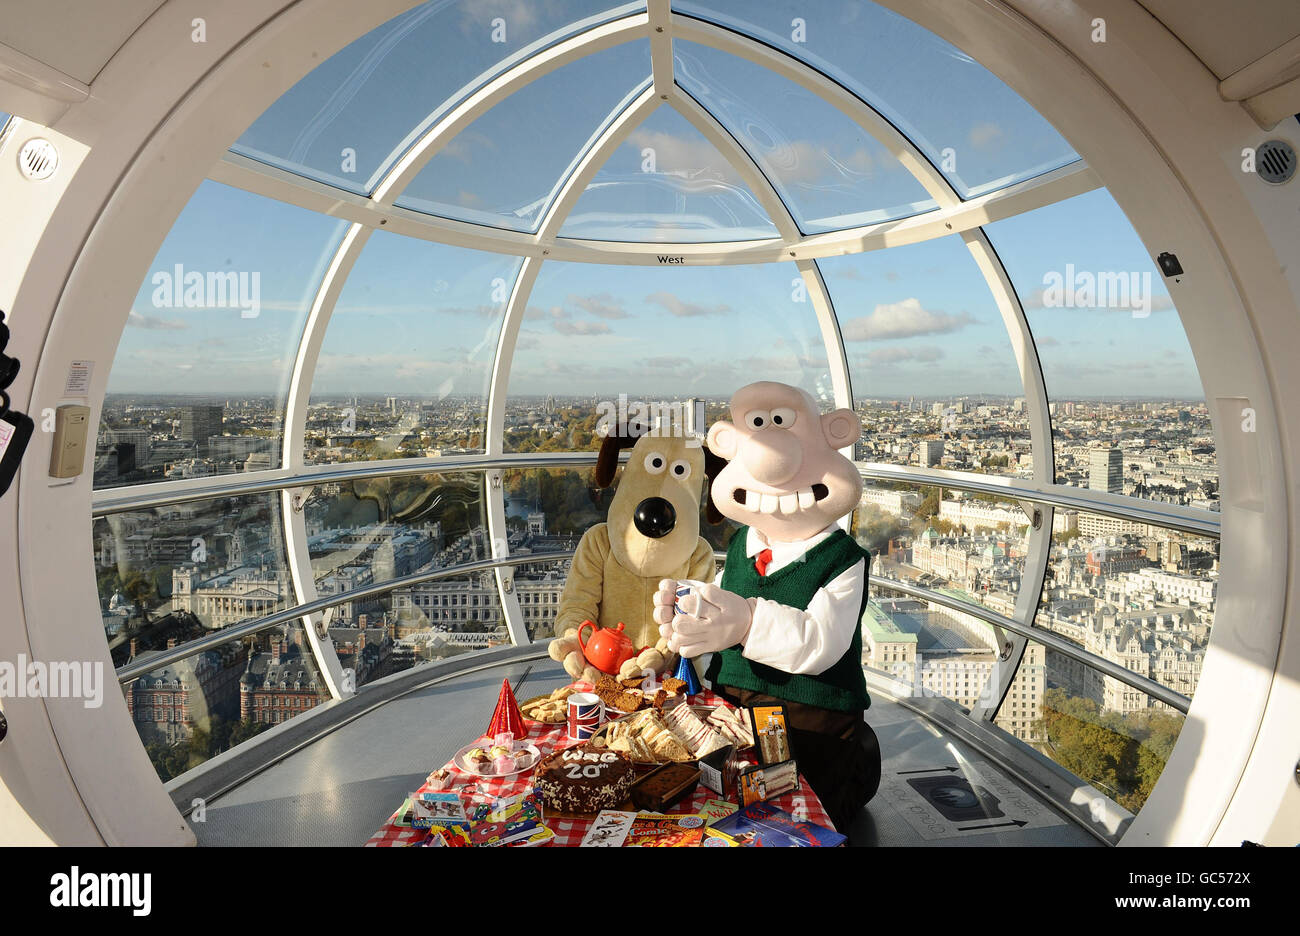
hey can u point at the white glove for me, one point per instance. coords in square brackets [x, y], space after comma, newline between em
[713, 619]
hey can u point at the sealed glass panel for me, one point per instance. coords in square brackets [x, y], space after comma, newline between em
[1128, 409]
[600, 339]
[347, 121]
[979, 133]
[1142, 597]
[830, 172]
[199, 383]
[667, 183]
[373, 530]
[506, 167]
[405, 365]
[934, 376]
[192, 710]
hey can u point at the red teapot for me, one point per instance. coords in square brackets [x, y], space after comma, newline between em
[608, 648]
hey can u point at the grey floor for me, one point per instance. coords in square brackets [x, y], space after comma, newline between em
[340, 789]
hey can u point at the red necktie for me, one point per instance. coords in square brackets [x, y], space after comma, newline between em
[764, 559]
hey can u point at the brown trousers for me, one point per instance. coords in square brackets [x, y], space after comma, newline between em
[837, 752]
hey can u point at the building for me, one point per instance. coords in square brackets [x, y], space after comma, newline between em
[976, 564]
[977, 514]
[229, 597]
[169, 703]
[1092, 526]
[1107, 560]
[239, 447]
[941, 652]
[280, 682]
[200, 423]
[893, 502]
[930, 452]
[139, 438]
[1106, 470]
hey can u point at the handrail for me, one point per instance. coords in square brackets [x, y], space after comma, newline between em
[183, 651]
[1171, 516]
[138, 497]
[139, 668]
[161, 493]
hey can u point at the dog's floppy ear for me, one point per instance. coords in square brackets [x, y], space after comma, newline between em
[607, 460]
[713, 464]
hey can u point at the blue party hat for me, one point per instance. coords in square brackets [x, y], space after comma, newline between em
[686, 673]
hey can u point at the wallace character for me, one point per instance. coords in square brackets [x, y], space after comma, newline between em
[782, 622]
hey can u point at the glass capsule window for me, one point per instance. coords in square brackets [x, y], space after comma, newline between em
[978, 132]
[582, 246]
[505, 168]
[348, 121]
[667, 183]
[829, 171]
[405, 364]
[649, 335]
[201, 377]
[1128, 410]
[935, 379]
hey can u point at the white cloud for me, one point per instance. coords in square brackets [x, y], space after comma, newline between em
[153, 323]
[905, 319]
[580, 327]
[683, 309]
[601, 305]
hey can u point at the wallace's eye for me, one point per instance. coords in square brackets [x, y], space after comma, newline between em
[757, 419]
[783, 417]
[681, 469]
[654, 463]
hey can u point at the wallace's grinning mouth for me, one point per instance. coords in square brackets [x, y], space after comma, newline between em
[783, 503]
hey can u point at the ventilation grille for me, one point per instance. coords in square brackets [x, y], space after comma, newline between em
[1275, 161]
[38, 159]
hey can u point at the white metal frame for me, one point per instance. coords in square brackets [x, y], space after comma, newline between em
[146, 171]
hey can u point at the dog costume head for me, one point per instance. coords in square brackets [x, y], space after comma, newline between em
[652, 532]
[654, 519]
[785, 476]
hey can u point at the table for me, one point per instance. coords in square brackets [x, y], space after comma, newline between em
[569, 832]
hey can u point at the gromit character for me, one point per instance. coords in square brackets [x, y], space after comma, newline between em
[652, 533]
[783, 619]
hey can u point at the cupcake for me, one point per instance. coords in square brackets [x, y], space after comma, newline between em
[523, 759]
[503, 764]
[479, 760]
[500, 750]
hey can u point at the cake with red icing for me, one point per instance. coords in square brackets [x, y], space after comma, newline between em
[584, 780]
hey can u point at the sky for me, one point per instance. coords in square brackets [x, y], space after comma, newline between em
[422, 319]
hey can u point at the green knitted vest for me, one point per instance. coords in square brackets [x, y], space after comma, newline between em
[842, 687]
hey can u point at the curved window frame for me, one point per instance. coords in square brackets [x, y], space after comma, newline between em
[367, 213]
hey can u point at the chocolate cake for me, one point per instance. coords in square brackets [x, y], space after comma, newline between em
[584, 780]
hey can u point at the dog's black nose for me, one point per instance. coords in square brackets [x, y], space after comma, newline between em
[654, 517]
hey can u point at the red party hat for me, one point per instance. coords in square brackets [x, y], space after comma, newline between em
[507, 716]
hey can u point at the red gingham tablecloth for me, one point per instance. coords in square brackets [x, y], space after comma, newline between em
[569, 832]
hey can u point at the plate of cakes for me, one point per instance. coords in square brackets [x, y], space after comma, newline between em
[550, 709]
[625, 696]
[483, 758]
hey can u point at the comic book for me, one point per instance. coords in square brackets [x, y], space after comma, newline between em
[763, 825]
[651, 830]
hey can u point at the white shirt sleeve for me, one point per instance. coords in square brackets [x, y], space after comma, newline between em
[812, 641]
